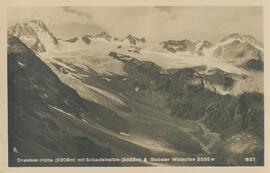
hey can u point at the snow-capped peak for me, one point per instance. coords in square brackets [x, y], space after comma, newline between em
[242, 38]
[238, 48]
[35, 35]
[39, 24]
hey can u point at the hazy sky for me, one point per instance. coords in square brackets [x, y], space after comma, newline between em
[153, 23]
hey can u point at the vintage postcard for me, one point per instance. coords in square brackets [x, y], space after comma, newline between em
[135, 86]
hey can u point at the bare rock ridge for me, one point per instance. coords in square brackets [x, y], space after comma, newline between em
[104, 35]
[134, 40]
[193, 47]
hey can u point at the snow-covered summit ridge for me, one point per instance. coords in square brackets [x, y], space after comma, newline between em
[35, 34]
[242, 38]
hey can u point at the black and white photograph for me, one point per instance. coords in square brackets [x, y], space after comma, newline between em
[139, 86]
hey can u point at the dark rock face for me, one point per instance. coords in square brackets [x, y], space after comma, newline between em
[39, 104]
[86, 39]
[250, 113]
[221, 78]
[255, 64]
[47, 85]
[72, 40]
[187, 46]
[240, 121]
[179, 45]
[242, 113]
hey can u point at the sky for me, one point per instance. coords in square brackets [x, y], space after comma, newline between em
[153, 23]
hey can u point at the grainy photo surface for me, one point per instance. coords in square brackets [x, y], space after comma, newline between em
[135, 86]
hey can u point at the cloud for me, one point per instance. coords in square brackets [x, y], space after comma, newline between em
[167, 9]
[50, 15]
[170, 10]
[121, 21]
[76, 11]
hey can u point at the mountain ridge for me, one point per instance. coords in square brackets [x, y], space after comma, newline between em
[29, 33]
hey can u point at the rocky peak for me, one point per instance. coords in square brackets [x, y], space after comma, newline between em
[39, 26]
[133, 40]
[239, 48]
[104, 35]
[27, 35]
[35, 35]
[230, 36]
[179, 46]
[203, 45]
[39, 23]
[207, 43]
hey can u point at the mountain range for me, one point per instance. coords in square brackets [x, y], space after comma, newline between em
[101, 96]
